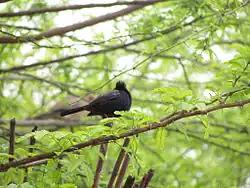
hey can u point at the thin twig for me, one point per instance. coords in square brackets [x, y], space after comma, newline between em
[136, 65]
[20, 27]
[61, 86]
[238, 77]
[118, 163]
[212, 143]
[122, 171]
[185, 75]
[12, 139]
[103, 150]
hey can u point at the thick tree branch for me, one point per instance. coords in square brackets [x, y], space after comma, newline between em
[105, 139]
[59, 31]
[73, 7]
[112, 48]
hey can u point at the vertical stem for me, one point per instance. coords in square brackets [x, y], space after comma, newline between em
[129, 182]
[118, 163]
[146, 179]
[103, 150]
[122, 171]
[12, 138]
[32, 142]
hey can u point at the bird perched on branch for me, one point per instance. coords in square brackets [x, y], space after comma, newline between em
[118, 99]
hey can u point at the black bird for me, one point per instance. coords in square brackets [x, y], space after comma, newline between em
[118, 99]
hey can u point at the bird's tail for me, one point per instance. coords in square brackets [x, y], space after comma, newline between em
[72, 111]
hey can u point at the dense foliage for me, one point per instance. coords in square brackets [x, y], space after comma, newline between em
[173, 56]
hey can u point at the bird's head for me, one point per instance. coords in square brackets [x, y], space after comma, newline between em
[120, 85]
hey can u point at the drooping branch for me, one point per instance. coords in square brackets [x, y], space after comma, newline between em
[72, 7]
[105, 139]
[59, 31]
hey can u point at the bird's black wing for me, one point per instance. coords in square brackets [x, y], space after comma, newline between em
[107, 103]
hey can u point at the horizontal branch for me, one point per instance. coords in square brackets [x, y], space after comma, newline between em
[105, 139]
[59, 31]
[71, 7]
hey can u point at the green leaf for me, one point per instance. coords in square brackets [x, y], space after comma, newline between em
[161, 137]
[206, 125]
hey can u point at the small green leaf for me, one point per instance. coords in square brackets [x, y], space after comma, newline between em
[206, 126]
